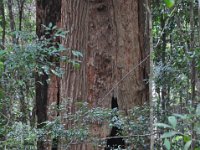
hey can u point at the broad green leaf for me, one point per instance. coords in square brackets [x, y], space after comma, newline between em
[177, 138]
[50, 25]
[46, 69]
[186, 138]
[54, 27]
[2, 52]
[187, 145]
[1, 93]
[21, 83]
[172, 120]
[197, 127]
[182, 116]
[56, 73]
[76, 65]
[169, 3]
[198, 109]
[169, 134]
[163, 125]
[77, 53]
[1, 66]
[167, 144]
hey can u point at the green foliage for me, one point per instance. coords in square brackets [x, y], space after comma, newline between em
[176, 110]
[20, 136]
[18, 65]
[85, 117]
[187, 145]
[172, 120]
[169, 3]
[172, 135]
[167, 144]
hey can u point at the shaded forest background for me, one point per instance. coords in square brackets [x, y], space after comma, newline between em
[171, 118]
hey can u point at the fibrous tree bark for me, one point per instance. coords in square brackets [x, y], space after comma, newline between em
[113, 38]
[48, 11]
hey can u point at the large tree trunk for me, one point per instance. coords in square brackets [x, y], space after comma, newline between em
[48, 11]
[111, 35]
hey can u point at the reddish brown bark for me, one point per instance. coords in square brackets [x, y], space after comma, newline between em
[111, 34]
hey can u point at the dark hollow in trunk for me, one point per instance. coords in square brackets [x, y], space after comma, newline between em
[115, 142]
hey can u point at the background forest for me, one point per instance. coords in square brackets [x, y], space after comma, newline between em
[171, 121]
